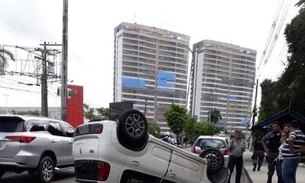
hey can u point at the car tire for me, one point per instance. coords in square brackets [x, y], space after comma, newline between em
[46, 169]
[133, 125]
[215, 159]
[132, 130]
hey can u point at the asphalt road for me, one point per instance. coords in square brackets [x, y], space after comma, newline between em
[62, 176]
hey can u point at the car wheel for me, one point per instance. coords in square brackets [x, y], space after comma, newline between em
[133, 125]
[46, 169]
[215, 159]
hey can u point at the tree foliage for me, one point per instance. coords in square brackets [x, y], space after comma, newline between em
[191, 128]
[98, 113]
[176, 117]
[3, 59]
[206, 128]
[215, 116]
[106, 113]
[154, 129]
[289, 90]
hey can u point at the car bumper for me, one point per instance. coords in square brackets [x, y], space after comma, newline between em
[25, 160]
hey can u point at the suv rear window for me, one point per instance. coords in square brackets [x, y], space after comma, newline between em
[11, 124]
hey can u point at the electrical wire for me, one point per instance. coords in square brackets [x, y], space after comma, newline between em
[279, 8]
[278, 30]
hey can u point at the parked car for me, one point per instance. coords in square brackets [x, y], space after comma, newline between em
[34, 144]
[123, 152]
[207, 141]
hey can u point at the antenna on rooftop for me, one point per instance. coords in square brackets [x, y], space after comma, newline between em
[135, 19]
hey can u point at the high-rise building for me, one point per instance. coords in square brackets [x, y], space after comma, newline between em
[222, 78]
[150, 69]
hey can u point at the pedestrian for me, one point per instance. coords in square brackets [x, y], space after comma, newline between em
[286, 128]
[236, 149]
[291, 152]
[271, 143]
[279, 159]
[258, 152]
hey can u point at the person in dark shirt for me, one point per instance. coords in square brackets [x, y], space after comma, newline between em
[258, 152]
[271, 143]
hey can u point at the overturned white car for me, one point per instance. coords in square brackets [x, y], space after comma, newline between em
[123, 152]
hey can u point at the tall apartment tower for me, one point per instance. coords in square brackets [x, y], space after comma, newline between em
[222, 78]
[150, 69]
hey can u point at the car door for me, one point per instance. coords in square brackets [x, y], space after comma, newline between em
[186, 168]
[152, 161]
[68, 132]
[60, 144]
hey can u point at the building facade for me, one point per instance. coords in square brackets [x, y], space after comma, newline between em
[150, 69]
[222, 78]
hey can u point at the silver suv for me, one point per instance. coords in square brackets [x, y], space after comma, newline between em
[34, 144]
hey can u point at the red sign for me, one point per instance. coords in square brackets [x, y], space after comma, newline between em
[75, 102]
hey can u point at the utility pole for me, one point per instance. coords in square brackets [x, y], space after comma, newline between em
[64, 72]
[44, 78]
[254, 112]
[44, 84]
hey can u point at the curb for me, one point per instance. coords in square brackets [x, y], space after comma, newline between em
[247, 175]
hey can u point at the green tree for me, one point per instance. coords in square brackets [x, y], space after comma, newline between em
[154, 129]
[215, 116]
[96, 113]
[205, 128]
[267, 104]
[89, 112]
[3, 59]
[107, 113]
[190, 128]
[176, 117]
[289, 90]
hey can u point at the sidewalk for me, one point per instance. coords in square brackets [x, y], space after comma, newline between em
[261, 176]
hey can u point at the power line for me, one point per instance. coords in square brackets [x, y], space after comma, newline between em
[271, 32]
[270, 45]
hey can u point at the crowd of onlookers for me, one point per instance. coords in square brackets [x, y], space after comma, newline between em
[282, 148]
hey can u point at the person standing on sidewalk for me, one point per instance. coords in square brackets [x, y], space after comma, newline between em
[258, 152]
[291, 152]
[279, 159]
[271, 143]
[236, 149]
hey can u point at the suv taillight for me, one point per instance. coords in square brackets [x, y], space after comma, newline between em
[103, 170]
[193, 149]
[22, 139]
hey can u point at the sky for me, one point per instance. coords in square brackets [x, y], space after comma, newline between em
[91, 24]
